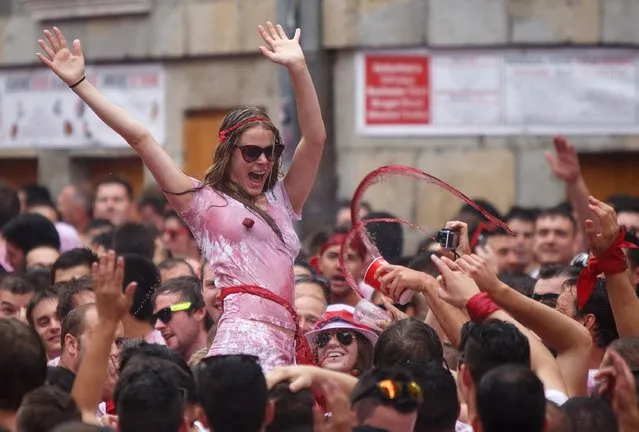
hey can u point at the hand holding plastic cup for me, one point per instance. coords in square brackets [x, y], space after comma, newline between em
[369, 314]
[369, 278]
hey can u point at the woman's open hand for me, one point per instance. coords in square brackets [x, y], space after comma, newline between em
[66, 63]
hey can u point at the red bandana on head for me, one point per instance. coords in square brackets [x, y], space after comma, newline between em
[613, 261]
[337, 239]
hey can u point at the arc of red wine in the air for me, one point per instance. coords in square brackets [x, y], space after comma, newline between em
[370, 246]
[378, 176]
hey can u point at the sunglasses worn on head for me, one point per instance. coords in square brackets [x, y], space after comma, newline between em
[251, 153]
[165, 314]
[343, 337]
[397, 391]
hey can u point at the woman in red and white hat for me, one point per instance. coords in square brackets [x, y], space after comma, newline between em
[340, 344]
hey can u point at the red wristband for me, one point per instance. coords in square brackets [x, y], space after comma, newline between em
[480, 306]
[612, 261]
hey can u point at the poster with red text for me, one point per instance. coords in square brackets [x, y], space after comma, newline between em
[396, 90]
[475, 92]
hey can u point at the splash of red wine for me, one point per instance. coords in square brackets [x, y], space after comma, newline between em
[359, 227]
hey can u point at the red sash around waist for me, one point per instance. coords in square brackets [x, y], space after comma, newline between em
[303, 352]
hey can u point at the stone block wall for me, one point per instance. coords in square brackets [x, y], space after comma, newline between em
[210, 52]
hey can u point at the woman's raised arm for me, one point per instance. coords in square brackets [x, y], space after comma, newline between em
[68, 64]
[301, 175]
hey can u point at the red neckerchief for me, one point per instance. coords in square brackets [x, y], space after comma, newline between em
[110, 407]
[613, 261]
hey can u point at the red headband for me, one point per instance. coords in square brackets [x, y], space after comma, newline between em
[338, 239]
[224, 133]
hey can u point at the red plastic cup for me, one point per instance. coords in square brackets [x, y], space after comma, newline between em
[369, 278]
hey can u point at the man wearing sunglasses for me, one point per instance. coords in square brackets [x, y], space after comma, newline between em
[551, 279]
[387, 399]
[179, 314]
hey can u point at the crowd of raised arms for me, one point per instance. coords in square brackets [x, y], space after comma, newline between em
[197, 307]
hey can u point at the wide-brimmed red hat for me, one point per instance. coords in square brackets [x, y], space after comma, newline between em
[340, 316]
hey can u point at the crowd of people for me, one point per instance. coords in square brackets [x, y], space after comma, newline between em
[197, 307]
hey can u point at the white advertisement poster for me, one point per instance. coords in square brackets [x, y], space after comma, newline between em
[38, 110]
[506, 92]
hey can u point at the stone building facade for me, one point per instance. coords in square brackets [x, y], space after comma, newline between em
[208, 50]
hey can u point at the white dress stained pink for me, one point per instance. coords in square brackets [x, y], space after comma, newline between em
[241, 255]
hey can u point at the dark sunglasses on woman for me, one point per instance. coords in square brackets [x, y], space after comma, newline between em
[344, 337]
[251, 153]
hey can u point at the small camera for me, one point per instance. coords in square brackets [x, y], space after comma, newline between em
[448, 239]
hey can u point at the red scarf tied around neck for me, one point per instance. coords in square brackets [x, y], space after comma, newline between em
[613, 261]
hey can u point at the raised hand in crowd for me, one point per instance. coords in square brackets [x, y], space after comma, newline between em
[564, 164]
[487, 254]
[66, 62]
[618, 384]
[480, 270]
[108, 276]
[602, 234]
[464, 238]
[279, 47]
[112, 305]
[456, 287]
[300, 177]
[338, 405]
[603, 231]
[572, 344]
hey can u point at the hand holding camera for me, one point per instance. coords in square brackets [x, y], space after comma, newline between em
[454, 239]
